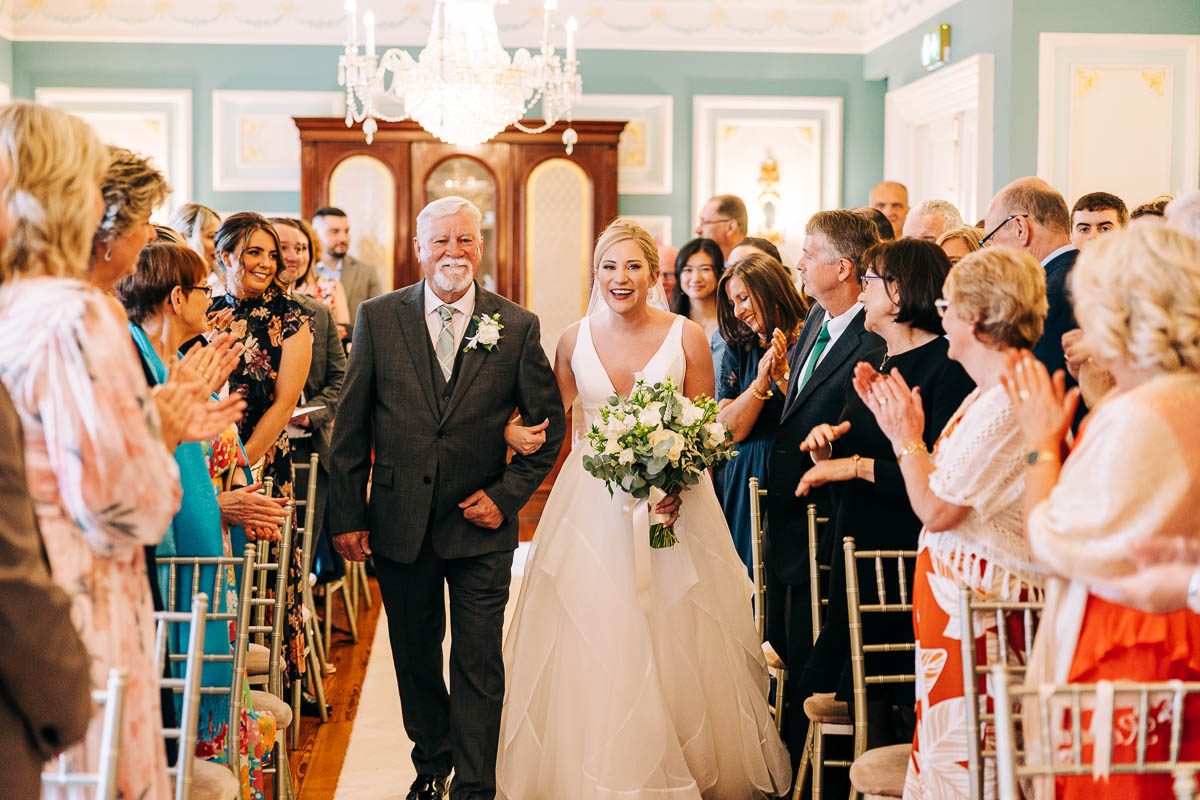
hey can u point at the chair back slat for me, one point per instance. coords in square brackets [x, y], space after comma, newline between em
[111, 701]
[815, 569]
[756, 558]
[855, 611]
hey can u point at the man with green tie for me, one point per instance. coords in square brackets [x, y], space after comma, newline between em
[832, 343]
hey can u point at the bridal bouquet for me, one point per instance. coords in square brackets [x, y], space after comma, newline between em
[654, 443]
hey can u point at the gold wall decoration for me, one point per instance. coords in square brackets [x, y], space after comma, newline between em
[1085, 81]
[1156, 80]
[768, 200]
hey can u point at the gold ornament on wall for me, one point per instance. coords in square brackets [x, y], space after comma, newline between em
[1085, 81]
[1156, 80]
[768, 201]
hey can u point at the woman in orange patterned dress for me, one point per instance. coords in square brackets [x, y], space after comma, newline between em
[967, 494]
[1131, 483]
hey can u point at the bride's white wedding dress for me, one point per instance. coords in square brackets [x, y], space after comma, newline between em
[606, 701]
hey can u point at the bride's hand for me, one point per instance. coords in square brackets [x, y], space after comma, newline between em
[670, 505]
[526, 441]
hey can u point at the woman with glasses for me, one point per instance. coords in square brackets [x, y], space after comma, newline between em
[167, 301]
[966, 491]
[901, 283]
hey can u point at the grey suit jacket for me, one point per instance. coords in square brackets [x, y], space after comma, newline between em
[361, 282]
[433, 452]
[45, 679]
[325, 372]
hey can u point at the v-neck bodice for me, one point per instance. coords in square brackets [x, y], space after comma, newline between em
[592, 379]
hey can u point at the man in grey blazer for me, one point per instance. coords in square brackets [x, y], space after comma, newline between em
[430, 388]
[359, 279]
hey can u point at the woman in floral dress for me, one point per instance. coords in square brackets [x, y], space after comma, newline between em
[278, 348]
[967, 494]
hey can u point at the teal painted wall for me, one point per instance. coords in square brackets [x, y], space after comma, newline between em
[6, 61]
[205, 68]
[1010, 29]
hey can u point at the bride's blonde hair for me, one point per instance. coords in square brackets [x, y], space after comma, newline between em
[620, 230]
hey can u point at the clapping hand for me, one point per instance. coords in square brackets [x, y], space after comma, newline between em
[897, 408]
[212, 364]
[780, 369]
[218, 321]
[820, 439]
[1043, 406]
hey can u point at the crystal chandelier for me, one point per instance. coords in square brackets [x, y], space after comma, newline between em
[463, 88]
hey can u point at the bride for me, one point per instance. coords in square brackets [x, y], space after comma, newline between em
[603, 699]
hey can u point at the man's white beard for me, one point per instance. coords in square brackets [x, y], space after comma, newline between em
[446, 282]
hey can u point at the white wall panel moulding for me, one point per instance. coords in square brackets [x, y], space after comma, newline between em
[644, 152]
[153, 122]
[817, 26]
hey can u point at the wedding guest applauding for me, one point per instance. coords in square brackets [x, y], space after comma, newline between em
[198, 225]
[761, 314]
[102, 482]
[1131, 481]
[901, 284]
[132, 189]
[967, 493]
[278, 339]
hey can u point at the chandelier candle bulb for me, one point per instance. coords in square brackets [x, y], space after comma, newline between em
[551, 5]
[572, 26]
[369, 25]
[352, 23]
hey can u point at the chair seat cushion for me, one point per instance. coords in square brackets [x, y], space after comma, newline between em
[880, 771]
[280, 710]
[825, 709]
[212, 781]
[773, 660]
[258, 659]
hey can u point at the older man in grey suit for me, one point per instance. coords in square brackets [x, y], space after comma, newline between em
[430, 387]
[359, 279]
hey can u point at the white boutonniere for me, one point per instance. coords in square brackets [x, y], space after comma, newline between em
[487, 333]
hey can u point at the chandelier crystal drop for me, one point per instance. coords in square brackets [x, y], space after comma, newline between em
[463, 87]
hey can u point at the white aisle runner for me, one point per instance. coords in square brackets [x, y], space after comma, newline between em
[378, 762]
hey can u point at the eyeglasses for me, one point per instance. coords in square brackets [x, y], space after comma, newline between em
[703, 221]
[869, 277]
[984, 241]
[942, 306]
[206, 289]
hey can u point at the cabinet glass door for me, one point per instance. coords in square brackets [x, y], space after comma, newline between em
[466, 177]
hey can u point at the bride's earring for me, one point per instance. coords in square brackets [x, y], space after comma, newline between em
[108, 255]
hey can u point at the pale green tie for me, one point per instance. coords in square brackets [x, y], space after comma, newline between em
[444, 349]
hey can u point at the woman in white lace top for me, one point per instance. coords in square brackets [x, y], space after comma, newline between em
[968, 494]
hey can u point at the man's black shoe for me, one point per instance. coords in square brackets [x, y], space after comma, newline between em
[427, 787]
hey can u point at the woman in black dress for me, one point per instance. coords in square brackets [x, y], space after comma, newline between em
[901, 282]
[278, 348]
[760, 314]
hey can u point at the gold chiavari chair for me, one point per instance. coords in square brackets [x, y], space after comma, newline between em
[775, 666]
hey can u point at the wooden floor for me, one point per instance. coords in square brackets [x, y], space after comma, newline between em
[317, 762]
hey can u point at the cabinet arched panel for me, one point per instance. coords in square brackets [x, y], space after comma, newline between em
[365, 188]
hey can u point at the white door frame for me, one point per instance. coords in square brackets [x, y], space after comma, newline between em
[965, 86]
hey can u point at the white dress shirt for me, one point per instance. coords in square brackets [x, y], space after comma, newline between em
[1064, 249]
[837, 326]
[464, 307]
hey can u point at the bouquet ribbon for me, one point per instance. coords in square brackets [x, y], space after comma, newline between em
[639, 511]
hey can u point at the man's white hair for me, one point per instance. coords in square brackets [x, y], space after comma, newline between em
[444, 207]
[1183, 213]
[952, 219]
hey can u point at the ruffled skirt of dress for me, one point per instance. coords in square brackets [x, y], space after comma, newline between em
[604, 701]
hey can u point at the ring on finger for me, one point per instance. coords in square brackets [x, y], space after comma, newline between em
[1023, 395]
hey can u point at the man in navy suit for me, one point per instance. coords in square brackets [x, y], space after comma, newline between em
[832, 343]
[1028, 214]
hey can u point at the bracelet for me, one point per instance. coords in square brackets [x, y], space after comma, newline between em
[1038, 456]
[1193, 595]
[909, 449]
[764, 396]
[856, 458]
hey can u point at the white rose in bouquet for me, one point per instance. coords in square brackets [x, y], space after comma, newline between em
[716, 432]
[651, 415]
[690, 414]
[675, 443]
[612, 447]
[618, 425]
[626, 456]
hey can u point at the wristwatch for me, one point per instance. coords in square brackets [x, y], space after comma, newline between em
[1038, 456]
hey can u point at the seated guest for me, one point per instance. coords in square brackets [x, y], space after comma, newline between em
[761, 315]
[931, 219]
[1155, 208]
[198, 224]
[102, 481]
[901, 284]
[1030, 215]
[278, 339]
[958, 243]
[1183, 213]
[1132, 479]
[324, 382]
[1095, 214]
[132, 189]
[167, 300]
[882, 224]
[966, 491]
[698, 267]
